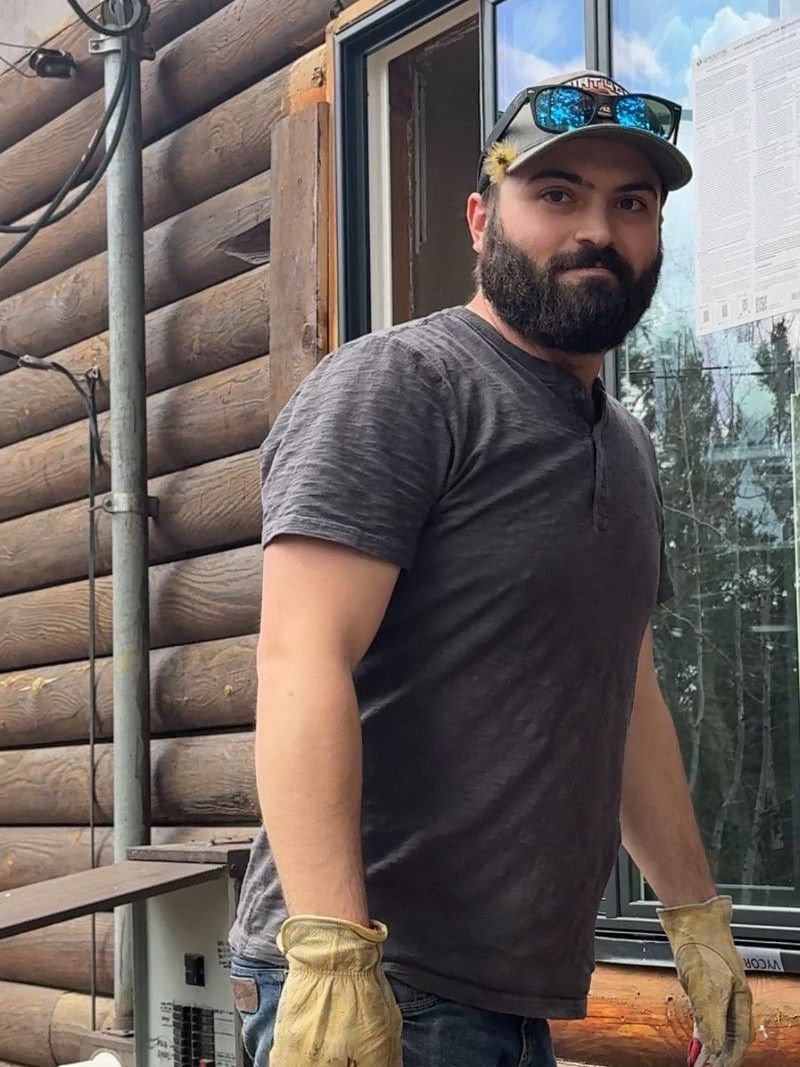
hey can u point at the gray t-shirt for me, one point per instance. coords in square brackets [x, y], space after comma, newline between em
[496, 694]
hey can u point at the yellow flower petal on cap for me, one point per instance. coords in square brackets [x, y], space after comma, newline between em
[498, 159]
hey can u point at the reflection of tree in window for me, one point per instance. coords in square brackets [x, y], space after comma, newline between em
[726, 643]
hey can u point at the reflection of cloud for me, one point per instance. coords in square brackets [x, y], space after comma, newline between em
[635, 60]
[727, 27]
[521, 68]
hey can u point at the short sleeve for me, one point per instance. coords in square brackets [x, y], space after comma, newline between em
[361, 452]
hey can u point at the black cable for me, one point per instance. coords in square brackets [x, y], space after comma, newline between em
[139, 9]
[48, 216]
[14, 67]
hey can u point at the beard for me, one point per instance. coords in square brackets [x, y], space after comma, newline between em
[581, 318]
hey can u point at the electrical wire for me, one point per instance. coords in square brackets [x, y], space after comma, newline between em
[50, 215]
[139, 9]
[12, 66]
[89, 397]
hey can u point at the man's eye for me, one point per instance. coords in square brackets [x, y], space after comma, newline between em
[556, 196]
[632, 203]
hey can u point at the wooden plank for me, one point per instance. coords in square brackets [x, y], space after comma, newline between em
[205, 686]
[200, 599]
[74, 895]
[639, 1017]
[210, 778]
[188, 252]
[233, 140]
[25, 105]
[32, 853]
[246, 40]
[299, 240]
[44, 1027]
[208, 331]
[211, 506]
[221, 414]
[60, 955]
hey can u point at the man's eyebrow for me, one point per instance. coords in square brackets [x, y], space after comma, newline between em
[638, 187]
[561, 175]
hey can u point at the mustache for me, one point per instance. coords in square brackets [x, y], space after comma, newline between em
[585, 258]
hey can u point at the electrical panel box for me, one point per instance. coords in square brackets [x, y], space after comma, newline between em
[185, 1015]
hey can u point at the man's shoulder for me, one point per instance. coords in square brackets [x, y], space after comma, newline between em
[631, 422]
[421, 341]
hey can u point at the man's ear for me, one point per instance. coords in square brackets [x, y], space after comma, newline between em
[477, 216]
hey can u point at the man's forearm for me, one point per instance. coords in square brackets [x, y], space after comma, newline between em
[309, 777]
[659, 828]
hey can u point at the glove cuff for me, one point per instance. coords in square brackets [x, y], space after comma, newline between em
[332, 945]
[683, 921]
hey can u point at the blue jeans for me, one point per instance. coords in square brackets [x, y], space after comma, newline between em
[436, 1032]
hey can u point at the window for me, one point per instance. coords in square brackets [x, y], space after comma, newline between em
[720, 408]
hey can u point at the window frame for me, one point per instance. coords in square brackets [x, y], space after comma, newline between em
[627, 928]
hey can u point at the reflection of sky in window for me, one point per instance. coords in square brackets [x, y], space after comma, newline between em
[534, 41]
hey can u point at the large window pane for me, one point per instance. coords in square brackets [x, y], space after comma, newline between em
[720, 409]
[535, 40]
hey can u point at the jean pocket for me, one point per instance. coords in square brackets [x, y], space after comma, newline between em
[261, 970]
[411, 1001]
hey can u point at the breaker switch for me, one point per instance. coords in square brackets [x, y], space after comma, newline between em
[194, 967]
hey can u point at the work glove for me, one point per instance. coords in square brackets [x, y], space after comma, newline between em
[336, 1008]
[711, 971]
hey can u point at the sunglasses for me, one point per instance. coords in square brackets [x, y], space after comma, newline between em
[561, 108]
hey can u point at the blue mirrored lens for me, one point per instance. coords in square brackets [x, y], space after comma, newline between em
[561, 109]
[644, 113]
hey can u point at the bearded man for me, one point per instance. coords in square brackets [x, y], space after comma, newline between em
[458, 711]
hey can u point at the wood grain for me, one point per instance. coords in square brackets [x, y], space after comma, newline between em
[199, 599]
[32, 853]
[207, 779]
[184, 254]
[43, 1027]
[215, 416]
[639, 1017]
[299, 241]
[241, 43]
[218, 327]
[211, 506]
[233, 141]
[25, 105]
[60, 955]
[205, 686]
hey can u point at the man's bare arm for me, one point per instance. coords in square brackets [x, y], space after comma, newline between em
[659, 828]
[322, 604]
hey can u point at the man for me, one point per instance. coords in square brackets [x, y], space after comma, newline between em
[457, 700]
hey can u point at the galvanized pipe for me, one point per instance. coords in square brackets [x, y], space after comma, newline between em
[128, 502]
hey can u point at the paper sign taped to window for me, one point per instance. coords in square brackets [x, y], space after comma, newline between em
[766, 960]
[747, 179]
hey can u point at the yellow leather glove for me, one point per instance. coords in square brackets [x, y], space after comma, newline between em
[336, 1008]
[711, 971]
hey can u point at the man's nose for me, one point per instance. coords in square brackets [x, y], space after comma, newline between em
[595, 228]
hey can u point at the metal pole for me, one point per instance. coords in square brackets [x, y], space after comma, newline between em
[128, 503]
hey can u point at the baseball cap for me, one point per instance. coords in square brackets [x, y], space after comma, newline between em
[527, 140]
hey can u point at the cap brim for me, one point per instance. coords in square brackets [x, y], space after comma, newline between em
[672, 165]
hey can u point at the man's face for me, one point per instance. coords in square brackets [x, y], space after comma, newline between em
[570, 252]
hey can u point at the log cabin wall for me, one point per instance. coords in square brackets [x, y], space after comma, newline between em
[235, 173]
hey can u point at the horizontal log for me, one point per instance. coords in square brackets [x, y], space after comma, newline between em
[199, 599]
[208, 331]
[233, 141]
[207, 779]
[182, 255]
[639, 1017]
[34, 853]
[43, 1027]
[246, 40]
[61, 955]
[25, 105]
[205, 686]
[211, 506]
[215, 416]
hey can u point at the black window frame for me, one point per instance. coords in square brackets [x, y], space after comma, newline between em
[627, 928]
